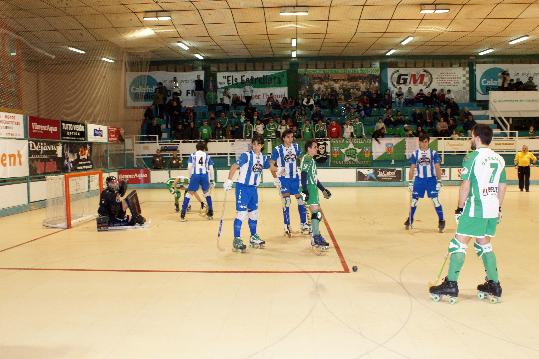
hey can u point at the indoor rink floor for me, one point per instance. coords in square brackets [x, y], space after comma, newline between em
[168, 292]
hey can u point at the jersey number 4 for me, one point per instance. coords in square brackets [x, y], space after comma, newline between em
[201, 161]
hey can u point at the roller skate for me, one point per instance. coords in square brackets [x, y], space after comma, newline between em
[177, 206]
[203, 209]
[256, 242]
[319, 244]
[305, 228]
[182, 216]
[441, 226]
[238, 246]
[287, 230]
[210, 214]
[189, 208]
[447, 288]
[408, 224]
[491, 290]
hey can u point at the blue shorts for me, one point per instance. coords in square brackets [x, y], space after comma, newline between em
[422, 185]
[199, 180]
[289, 185]
[246, 198]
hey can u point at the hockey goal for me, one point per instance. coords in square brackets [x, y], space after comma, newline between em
[72, 198]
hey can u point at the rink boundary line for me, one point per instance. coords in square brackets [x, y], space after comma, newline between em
[31, 240]
[338, 250]
[173, 270]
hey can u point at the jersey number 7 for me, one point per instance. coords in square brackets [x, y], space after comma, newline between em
[494, 167]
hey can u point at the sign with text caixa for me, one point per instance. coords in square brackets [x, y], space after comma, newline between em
[97, 133]
[11, 125]
[135, 176]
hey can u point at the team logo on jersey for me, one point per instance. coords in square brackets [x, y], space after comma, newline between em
[424, 161]
[257, 168]
[290, 157]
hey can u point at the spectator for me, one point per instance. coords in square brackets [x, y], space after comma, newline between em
[223, 120]
[282, 127]
[380, 133]
[227, 100]
[466, 113]
[199, 92]
[399, 97]
[530, 85]
[408, 131]
[359, 129]
[175, 162]
[409, 97]
[307, 132]
[503, 80]
[177, 134]
[157, 162]
[441, 96]
[348, 130]
[267, 110]
[419, 131]
[205, 131]
[518, 85]
[308, 102]
[389, 121]
[174, 113]
[158, 101]
[271, 129]
[436, 115]
[236, 101]
[284, 103]
[523, 160]
[248, 130]
[434, 97]
[454, 135]
[235, 127]
[531, 132]
[420, 96]
[388, 100]
[379, 124]
[442, 128]
[155, 130]
[399, 119]
[453, 106]
[320, 130]
[334, 129]
[190, 131]
[248, 93]
[468, 125]
[270, 100]
[259, 127]
[317, 114]
[511, 85]
[449, 96]
[452, 124]
[219, 132]
[417, 117]
[189, 114]
[427, 100]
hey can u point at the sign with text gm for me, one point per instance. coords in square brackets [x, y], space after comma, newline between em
[97, 133]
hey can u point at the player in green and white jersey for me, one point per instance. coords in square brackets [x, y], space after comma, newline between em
[310, 185]
[175, 185]
[479, 211]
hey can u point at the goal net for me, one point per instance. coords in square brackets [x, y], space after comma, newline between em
[72, 198]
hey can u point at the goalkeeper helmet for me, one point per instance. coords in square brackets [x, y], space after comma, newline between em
[112, 183]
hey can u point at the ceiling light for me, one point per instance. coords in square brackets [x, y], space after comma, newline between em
[13, 53]
[441, 11]
[487, 51]
[199, 56]
[391, 52]
[434, 9]
[519, 39]
[145, 32]
[156, 16]
[150, 18]
[294, 11]
[294, 42]
[183, 46]
[161, 18]
[426, 11]
[407, 40]
[74, 49]
[294, 54]
[106, 59]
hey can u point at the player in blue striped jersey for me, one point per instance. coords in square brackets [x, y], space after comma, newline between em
[284, 167]
[250, 165]
[425, 176]
[200, 167]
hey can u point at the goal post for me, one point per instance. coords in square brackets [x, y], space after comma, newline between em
[72, 198]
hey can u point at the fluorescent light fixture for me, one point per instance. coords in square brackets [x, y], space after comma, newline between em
[150, 18]
[426, 11]
[487, 51]
[106, 59]
[519, 39]
[199, 56]
[156, 16]
[294, 42]
[166, 17]
[433, 9]
[294, 54]
[183, 46]
[391, 52]
[294, 11]
[74, 49]
[407, 40]
[12, 53]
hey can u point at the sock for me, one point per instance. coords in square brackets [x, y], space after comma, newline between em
[315, 225]
[412, 213]
[185, 202]
[286, 214]
[440, 212]
[455, 265]
[176, 199]
[210, 203]
[489, 261]
[252, 226]
[237, 228]
[302, 213]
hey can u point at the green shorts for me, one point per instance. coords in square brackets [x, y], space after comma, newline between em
[313, 195]
[477, 227]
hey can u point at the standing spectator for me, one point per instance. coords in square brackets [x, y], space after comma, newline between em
[271, 129]
[307, 132]
[157, 103]
[531, 132]
[348, 130]
[519, 84]
[503, 80]
[157, 161]
[219, 132]
[155, 130]
[334, 129]
[177, 135]
[212, 122]
[523, 160]
[248, 93]
[199, 92]
[399, 98]
[190, 131]
[317, 114]
[409, 97]
[227, 100]
[453, 106]
[388, 100]
[248, 130]
[359, 129]
[320, 130]
[223, 121]
[174, 113]
[205, 131]
[235, 127]
[441, 96]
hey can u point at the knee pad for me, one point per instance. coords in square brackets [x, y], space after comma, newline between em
[300, 201]
[457, 247]
[207, 194]
[253, 215]
[436, 202]
[317, 216]
[133, 203]
[414, 202]
[187, 195]
[241, 215]
[286, 201]
[481, 249]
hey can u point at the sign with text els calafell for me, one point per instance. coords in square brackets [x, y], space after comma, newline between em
[73, 131]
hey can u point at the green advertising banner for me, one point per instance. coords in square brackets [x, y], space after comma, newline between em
[351, 152]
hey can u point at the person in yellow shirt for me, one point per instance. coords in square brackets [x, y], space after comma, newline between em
[523, 160]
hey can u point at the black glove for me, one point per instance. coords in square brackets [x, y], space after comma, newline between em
[122, 188]
[305, 195]
[326, 193]
[458, 213]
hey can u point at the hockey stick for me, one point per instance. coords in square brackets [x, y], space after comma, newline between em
[221, 224]
[430, 284]
[411, 225]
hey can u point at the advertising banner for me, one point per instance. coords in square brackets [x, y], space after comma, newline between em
[13, 158]
[348, 84]
[11, 125]
[455, 79]
[43, 128]
[456, 174]
[73, 131]
[351, 152]
[514, 103]
[45, 157]
[263, 84]
[97, 133]
[488, 76]
[135, 176]
[388, 149]
[379, 174]
[77, 156]
[140, 86]
[446, 173]
[115, 134]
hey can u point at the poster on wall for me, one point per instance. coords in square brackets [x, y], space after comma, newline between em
[135, 176]
[11, 125]
[455, 79]
[73, 131]
[351, 152]
[97, 133]
[488, 76]
[43, 128]
[140, 86]
[115, 134]
[379, 174]
[346, 84]
[77, 156]
[13, 158]
[45, 157]
[263, 83]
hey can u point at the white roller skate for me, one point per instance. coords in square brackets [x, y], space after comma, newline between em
[287, 230]
[256, 242]
[305, 228]
[238, 246]
[319, 244]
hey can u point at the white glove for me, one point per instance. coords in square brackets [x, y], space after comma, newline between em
[458, 213]
[277, 182]
[411, 186]
[438, 186]
[228, 185]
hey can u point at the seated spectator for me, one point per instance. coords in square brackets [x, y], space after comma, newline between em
[388, 99]
[420, 96]
[366, 104]
[235, 126]
[308, 102]
[428, 122]
[442, 128]
[468, 125]
[177, 134]
[190, 131]
[518, 85]
[441, 96]
[259, 127]
[205, 131]
[175, 162]
[158, 163]
[267, 110]
[449, 96]
[376, 100]
[511, 85]
[348, 129]
[334, 129]
[320, 130]
[417, 117]
[466, 113]
[399, 119]
[531, 132]
[452, 124]
[453, 106]
[317, 114]
[380, 133]
[236, 101]
[530, 85]
[284, 103]
[454, 135]
[436, 115]
[389, 121]
[154, 130]
[282, 127]
[427, 100]
[379, 124]
[434, 97]
[409, 97]
[399, 97]
[408, 131]
[419, 131]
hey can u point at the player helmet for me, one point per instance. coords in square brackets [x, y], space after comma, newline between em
[112, 183]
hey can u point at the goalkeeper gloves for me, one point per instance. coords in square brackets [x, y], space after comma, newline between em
[326, 193]
[439, 186]
[458, 213]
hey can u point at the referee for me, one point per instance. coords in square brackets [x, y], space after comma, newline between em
[523, 160]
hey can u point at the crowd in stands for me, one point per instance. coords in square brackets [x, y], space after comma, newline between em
[506, 83]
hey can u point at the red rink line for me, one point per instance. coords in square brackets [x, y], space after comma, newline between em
[31, 240]
[335, 244]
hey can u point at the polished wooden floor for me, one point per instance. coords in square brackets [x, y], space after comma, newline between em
[168, 292]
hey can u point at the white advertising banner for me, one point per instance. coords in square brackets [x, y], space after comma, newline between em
[514, 103]
[140, 86]
[11, 125]
[459, 145]
[447, 78]
[97, 133]
[262, 84]
[488, 76]
[13, 158]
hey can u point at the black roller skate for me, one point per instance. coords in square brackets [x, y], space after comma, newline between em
[238, 246]
[203, 209]
[210, 214]
[177, 206]
[287, 230]
[319, 244]
[256, 242]
[491, 290]
[182, 216]
[447, 288]
[408, 224]
[441, 226]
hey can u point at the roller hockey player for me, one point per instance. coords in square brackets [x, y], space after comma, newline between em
[112, 207]
[425, 175]
[200, 166]
[284, 168]
[250, 165]
[175, 187]
[479, 211]
[310, 186]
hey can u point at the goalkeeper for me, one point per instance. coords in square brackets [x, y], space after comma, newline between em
[176, 185]
[112, 207]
